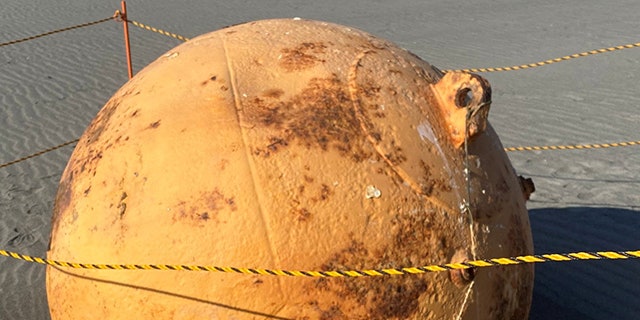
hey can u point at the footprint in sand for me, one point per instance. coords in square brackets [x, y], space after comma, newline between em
[24, 238]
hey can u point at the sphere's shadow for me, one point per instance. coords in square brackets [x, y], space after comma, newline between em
[606, 289]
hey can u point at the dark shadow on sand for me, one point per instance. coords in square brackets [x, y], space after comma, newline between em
[606, 289]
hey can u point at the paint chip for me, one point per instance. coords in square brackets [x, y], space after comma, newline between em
[372, 192]
[171, 55]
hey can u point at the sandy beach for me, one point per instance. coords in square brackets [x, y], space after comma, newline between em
[586, 200]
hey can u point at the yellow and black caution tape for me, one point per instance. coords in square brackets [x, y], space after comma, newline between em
[496, 69]
[575, 146]
[115, 16]
[160, 31]
[508, 149]
[39, 153]
[551, 61]
[555, 257]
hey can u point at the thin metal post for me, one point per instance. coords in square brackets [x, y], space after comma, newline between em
[123, 14]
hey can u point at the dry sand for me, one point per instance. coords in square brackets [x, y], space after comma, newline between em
[586, 200]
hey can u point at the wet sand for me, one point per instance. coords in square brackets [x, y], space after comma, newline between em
[586, 200]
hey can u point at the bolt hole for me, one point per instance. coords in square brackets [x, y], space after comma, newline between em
[462, 277]
[463, 98]
[469, 274]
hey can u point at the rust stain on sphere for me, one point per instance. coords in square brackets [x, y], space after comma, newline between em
[296, 145]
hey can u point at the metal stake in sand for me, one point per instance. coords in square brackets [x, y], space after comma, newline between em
[123, 15]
